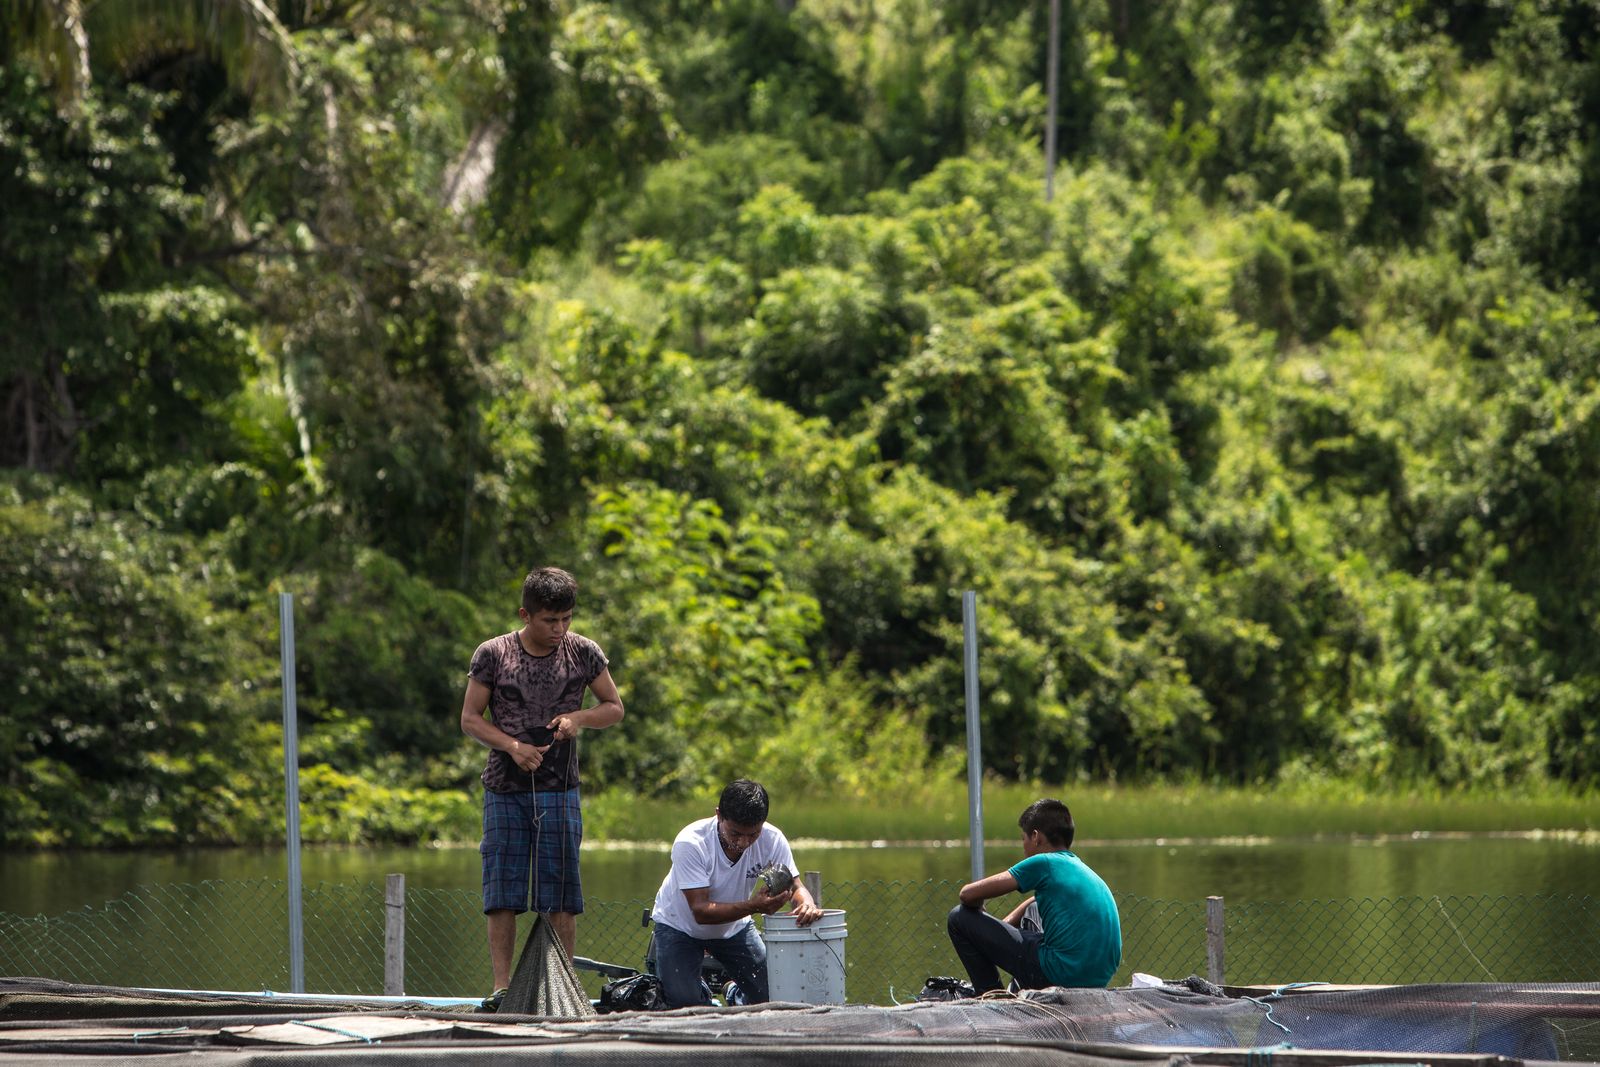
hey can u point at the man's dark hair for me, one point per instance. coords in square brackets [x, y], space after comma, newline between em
[743, 802]
[549, 589]
[1051, 818]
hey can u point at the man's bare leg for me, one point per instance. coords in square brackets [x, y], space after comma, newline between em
[565, 926]
[502, 945]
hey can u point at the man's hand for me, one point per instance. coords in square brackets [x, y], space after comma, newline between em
[768, 903]
[527, 756]
[1015, 918]
[563, 728]
[806, 913]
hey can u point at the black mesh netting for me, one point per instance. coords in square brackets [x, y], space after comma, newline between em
[1530, 1022]
[544, 982]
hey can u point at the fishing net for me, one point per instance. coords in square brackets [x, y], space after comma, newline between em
[1528, 1022]
[544, 982]
[1165, 1025]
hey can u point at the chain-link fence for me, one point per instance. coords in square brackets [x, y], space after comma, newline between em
[234, 935]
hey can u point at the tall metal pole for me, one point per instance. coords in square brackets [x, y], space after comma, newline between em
[291, 793]
[969, 629]
[1052, 77]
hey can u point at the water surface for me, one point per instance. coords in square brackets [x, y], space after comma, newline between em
[51, 883]
[1402, 909]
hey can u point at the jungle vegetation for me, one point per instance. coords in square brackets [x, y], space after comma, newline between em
[1270, 441]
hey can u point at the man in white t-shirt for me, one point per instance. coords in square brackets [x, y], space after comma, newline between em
[706, 900]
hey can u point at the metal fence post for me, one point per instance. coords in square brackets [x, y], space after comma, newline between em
[394, 935]
[813, 881]
[1214, 939]
[969, 628]
[291, 795]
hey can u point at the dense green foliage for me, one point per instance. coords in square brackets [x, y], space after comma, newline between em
[1270, 442]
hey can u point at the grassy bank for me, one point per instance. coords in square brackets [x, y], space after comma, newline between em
[1106, 813]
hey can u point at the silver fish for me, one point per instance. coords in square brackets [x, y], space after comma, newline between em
[771, 879]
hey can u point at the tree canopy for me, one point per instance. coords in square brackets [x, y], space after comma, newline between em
[1270, 441]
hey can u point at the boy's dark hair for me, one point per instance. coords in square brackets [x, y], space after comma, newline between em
[549, 589]
[1051, 818]
[743, 802]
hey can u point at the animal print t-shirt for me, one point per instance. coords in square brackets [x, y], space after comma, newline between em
[525, 693]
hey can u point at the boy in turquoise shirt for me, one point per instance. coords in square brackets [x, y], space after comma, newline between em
[1081, 944]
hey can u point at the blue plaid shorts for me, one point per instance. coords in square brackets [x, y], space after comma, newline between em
[532, 836]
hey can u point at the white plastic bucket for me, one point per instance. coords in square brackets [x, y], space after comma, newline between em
[805, 964]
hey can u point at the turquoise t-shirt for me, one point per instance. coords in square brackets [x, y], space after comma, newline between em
[1082, 943]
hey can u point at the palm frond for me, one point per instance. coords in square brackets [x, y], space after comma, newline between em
[51, 33]
[244, 36]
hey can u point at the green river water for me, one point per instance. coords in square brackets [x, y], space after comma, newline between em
[1398, 908]
[1238, 869]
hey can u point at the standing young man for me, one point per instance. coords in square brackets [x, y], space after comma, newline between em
[706, 900]
[1081, 944]
[530, 683]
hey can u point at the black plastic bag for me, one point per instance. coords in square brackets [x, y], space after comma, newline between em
[639, 992]
[944, 987]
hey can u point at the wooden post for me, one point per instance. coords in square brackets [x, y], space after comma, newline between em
[394, 935]
[813, 881]
[1214, 940]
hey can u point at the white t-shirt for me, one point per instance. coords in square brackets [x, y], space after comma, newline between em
[698, 862]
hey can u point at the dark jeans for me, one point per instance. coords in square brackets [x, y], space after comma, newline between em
[678, 964]
[985, 944]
